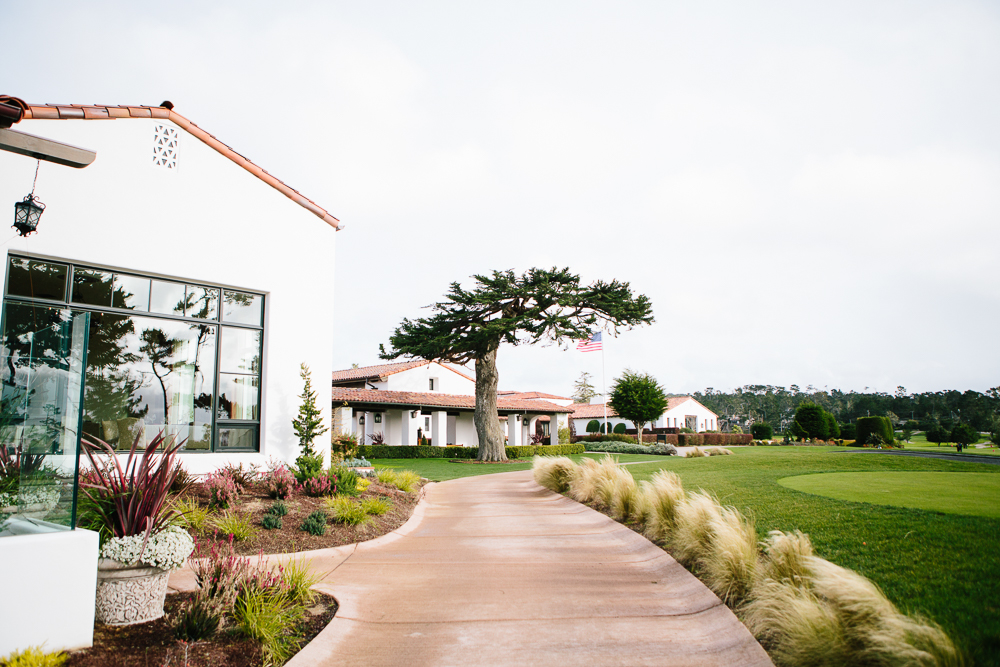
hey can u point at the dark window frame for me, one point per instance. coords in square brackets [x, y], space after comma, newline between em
[218, 322]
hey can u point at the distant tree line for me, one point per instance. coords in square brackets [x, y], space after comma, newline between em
[777, 405]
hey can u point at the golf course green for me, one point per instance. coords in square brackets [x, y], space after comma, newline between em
[968, 493]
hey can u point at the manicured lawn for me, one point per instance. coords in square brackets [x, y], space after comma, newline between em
[918, 443]
[439, 470]
[969, 493]
[945, 566]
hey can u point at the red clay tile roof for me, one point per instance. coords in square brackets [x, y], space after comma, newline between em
[102, 112]
[532, 394]
[382, 371]
[596, 410]
[417, 399]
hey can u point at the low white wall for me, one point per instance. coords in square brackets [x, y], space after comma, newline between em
[49, 587]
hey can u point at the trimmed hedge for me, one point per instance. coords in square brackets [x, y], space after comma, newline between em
[627, 448]
[421, 452]
[607, 437]
[710, 439]
[869, 426]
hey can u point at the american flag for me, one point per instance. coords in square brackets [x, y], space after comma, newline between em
[591, 344]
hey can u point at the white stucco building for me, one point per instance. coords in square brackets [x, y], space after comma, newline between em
[681, 412]
[406, 401]
[172, 285]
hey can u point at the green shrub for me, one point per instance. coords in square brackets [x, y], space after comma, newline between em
[346, 511]
[657, 449]
[315, 523]
[346, 480]
[619, 428]
[271, 616]
[34, 656]
[593, 426]
[307, 466]
[197, 621]
[848, 431]
[271, 522]
[192, 515]
[376, 506]
[609, 437]
[560, 450]
[812, 421]
[520, 452]
[564, 436]
[762, 431]
[299, 580]
[237, 525]
[409, 452]
[278, 508]
[874, 430]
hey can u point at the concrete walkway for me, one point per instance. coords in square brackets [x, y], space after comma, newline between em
[495, 570]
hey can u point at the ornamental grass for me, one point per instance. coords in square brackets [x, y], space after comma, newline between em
[806, 611]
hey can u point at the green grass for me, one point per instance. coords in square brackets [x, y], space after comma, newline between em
[439, 470]
[941, 565]
[970, 493]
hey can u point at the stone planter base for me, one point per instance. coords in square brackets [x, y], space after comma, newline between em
[128, 594]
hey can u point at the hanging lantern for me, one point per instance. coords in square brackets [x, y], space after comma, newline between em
[26, 215]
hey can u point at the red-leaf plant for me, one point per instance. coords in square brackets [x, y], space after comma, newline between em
[132, 500]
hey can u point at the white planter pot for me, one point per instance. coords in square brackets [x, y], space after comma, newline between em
[128, 594]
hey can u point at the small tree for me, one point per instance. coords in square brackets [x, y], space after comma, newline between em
[583, 391]
[964, 435]
[761, 431]
[874, 431]
[937, 434]
[309, 424]
[811, 422]
[639, 398]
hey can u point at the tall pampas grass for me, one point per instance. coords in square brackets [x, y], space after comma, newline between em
[729, 565]
[605, 477]
[695, 452]
[624, 495]
[697, 517]
[717, 451]
[553, 472]
[810, 612]
[583, 481]
[660, 497]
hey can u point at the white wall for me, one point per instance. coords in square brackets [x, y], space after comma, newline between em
[706, 419]
[447, 381]
[210, 222]
[49, 587]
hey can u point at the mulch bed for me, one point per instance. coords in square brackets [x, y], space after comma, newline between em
[153, 644]
[290, 538]
[475, 462]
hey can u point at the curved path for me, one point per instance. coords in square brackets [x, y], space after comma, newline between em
[496, 570]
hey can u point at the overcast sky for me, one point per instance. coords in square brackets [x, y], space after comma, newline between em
[809, 193]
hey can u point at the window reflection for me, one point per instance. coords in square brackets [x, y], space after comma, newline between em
[201, 302]
[40, 280]
[240, 351]
[166, 298]
[145, 375]
[131, 292]
[242, 308]
[92, 287]
[238, 396]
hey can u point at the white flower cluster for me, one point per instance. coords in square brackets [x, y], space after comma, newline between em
[166, 550]
[40, 497]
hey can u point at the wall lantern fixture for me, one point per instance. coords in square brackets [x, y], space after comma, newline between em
[378, 417]
[413, 413]
[361, 419]
[27, 212]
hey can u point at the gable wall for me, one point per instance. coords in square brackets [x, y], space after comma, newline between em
[416, 379]
[210, 221]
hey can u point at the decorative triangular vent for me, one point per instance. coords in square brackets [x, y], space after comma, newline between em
[165, 142]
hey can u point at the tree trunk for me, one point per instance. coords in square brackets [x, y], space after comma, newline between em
[638, 430]
[491, 444]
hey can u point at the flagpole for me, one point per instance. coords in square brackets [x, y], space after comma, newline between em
[604, 387]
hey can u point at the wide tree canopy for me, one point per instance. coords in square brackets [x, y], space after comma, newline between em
[539, 305]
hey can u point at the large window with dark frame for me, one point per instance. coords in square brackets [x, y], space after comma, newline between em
[162, 354]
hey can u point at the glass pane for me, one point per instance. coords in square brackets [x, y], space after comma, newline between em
[240, 351]
[238, 396]
[92, 287]
[242, 308]
[131, 292]
[167, 298]
[41, 367]
[239, 437]
[202, 302]
[40, 280]
[146, 375]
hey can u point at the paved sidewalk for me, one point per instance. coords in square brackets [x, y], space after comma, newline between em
[495, 570]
